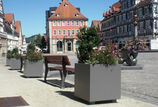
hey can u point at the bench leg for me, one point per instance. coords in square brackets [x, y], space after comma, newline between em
[22, 63]
[45, 76]
[63, 75]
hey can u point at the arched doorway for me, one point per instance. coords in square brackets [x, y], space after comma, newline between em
[69, 46]
[59, 46]
[77, 44]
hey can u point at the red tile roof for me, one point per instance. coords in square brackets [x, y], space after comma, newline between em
[17, 25]
[114, 9]
[96, 23]
[23, 37]
[9, 17]
[67, 11]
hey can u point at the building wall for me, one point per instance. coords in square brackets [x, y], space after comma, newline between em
[119, 27]
[12, 41]
[3, 38]
[57, 35]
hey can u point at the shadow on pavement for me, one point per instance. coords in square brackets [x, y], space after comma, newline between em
[71, 95]
[57, 83]
[23, 76]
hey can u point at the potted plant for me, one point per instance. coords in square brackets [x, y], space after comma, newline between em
[15, 59]
[33, 64]
[97, 75]
[8, 59]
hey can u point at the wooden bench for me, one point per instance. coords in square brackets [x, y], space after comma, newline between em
[62, 61]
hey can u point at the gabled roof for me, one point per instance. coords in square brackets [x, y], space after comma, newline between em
[17, 25]
[114, 9]
[23, 38]
[67, 11]
[96, 23]
[9, 17]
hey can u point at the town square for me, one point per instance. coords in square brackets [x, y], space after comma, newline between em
[58, 53]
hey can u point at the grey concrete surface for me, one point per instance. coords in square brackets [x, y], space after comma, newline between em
[142, 84]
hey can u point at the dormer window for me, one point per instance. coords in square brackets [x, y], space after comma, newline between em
[77, 14]
[58, 15]
[65, 4]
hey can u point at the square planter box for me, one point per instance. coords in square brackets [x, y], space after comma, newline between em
[97, 82]
[15, 64]
[33, 69]
[8, 61]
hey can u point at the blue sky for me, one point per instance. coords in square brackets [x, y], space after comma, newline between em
[31, 13]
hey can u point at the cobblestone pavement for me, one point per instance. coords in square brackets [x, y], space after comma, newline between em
[142, 84]
[138, 84]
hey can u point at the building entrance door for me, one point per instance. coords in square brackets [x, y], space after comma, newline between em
[69, 46]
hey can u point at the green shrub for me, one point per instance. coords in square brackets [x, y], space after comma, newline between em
[30, 48]
[34, 56]
[88, 53]
[88, 39]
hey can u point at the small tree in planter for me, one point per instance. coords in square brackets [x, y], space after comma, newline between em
[8, 59]
[33, 65]
[97, 75]
[15, 60]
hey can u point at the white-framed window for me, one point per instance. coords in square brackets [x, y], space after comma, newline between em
[55, 32]
[64, 32]
[73, 23]
[54, 23]
[68, 23]
[156, 9]
[68, 31]
[73, 32]
[59, 23]
[77, 32]
[63, 23]
[59, 32]
[77, 23]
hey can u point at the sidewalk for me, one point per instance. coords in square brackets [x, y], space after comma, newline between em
[39, 94]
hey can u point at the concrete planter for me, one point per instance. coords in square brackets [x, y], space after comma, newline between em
[97, 82]
[8, 61]
[15, 64]
[33, 69]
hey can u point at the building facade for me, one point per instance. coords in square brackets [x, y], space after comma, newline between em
[12, 36]
[97, 24]
[14, 32]
[62, 26]
[118, 26]
[3, 37]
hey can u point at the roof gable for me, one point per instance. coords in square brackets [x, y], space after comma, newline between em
[9, 17]
[67, 11]
[17, 25]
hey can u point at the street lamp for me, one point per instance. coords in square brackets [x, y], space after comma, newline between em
[135, 27]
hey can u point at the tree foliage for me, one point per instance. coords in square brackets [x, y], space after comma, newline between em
[30, 48]
[88, 40]
[38, 41]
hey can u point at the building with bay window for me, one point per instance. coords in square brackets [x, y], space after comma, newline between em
[62, 26]
[117, 24]
[3, 35]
